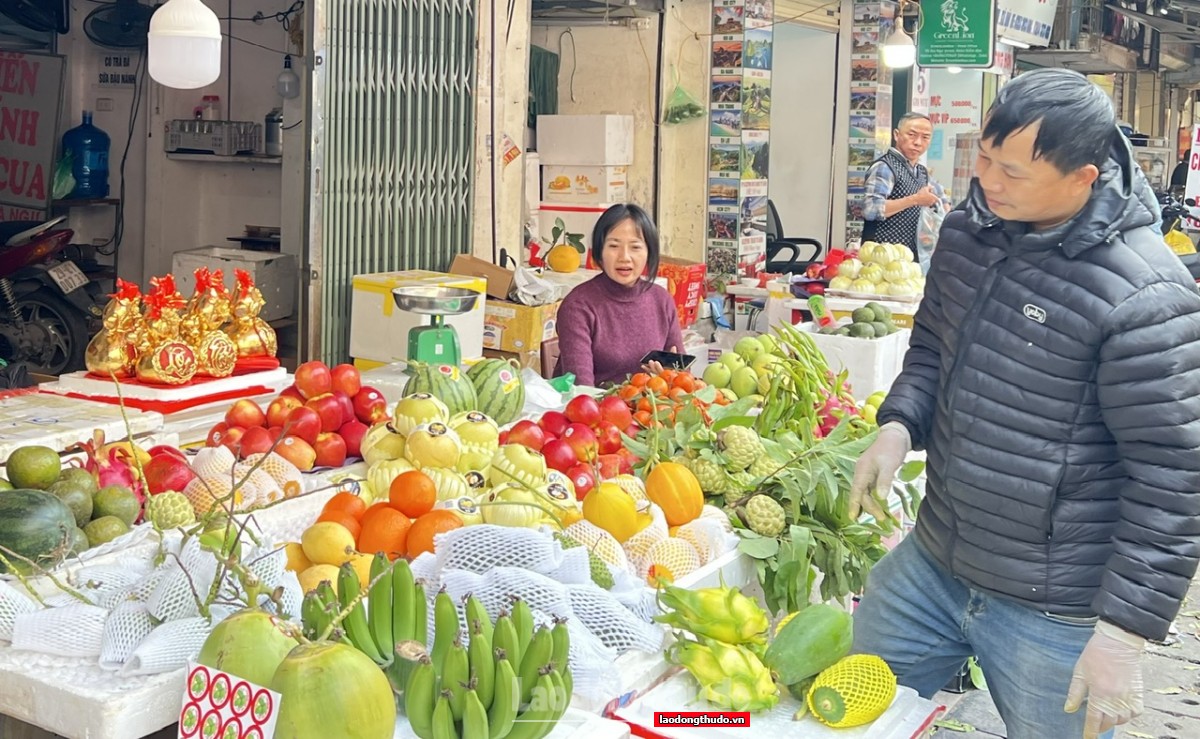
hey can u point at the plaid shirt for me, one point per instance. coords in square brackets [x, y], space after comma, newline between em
[880, 181]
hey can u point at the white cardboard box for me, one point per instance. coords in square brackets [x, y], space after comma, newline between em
[274, 274]
[585, 184]
[379, 330]
[873, 364]
[597, 140]
[578, 219]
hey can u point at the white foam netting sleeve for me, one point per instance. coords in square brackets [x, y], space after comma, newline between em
[268, 565]
[12, 603]
[102, 582]
[69, 631]
[293, 597]
[127, 625]
[485, 546]
[170, 646]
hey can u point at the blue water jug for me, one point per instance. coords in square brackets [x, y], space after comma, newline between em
[89, 146]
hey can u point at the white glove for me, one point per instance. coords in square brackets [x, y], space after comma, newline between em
[875, 471]
[1109, 675]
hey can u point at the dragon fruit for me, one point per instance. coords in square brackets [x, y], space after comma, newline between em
[113, 464]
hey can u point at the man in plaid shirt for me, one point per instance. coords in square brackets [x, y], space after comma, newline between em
[898, 185]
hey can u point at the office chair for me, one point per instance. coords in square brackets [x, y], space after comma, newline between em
[784, 252]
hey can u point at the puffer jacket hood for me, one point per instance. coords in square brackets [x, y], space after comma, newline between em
[1123, 201]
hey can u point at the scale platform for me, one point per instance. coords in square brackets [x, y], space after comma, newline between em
[436, 343]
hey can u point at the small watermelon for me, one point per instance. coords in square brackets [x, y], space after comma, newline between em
[443, 382]
[499, 388]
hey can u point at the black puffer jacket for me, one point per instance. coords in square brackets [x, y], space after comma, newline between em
[1054, 379]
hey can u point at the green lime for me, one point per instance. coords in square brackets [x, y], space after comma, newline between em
[80, 478]
[5, 484]
[78, 499]
[79, 541]
[104, 529]
[119, 501]
[34, 467]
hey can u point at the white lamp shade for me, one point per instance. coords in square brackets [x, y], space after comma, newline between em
[899, 50]
[184, 45]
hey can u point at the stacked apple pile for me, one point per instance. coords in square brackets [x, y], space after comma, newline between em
[319, 421]
[583, 441]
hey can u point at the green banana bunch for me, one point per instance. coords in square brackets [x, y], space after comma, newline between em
[483, 669]
[313, 620]
[355, 622]
[446, 628]
[504, 636]
[522, 618]
[380, 606]
[330, 607]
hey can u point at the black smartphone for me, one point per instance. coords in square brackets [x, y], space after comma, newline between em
[669, 360]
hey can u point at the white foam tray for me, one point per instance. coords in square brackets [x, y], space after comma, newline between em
[81, 384]
[58, 422]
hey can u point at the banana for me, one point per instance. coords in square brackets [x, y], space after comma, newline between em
[312, 616]
[522, 618]
[403, 603]
[379, 607]
[535, 658]
[560, 697]
[561, 653]
[331, 607]
[474, 610]
[483, 669]
[503, 711]
[537, 720]
[504, 636]
[443, 719]
[456, 671]
[445, 628]
[419, 698]
[355, 621]
[475, 718]
[420, 615]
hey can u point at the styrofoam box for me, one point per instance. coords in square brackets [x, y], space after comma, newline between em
[578, 219]
[873, 364]
[585, 184]
[274, 274]
[379, 329]
[598, 140]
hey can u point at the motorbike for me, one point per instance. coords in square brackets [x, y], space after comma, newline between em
[48, 306]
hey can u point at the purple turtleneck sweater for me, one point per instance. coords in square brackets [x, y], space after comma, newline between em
[604, 329]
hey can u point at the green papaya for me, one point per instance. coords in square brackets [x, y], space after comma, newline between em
[812, 640]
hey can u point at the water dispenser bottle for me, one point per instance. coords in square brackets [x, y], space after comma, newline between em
[89, 146]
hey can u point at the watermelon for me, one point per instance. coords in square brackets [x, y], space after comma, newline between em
[443, 382]
[499, 388]
[36, 525]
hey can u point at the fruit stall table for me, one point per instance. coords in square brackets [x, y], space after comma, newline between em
[58, 422]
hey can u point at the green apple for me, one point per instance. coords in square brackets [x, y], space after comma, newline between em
[732, 360]
[868, 413]
[717, 375]
[749, 348]
[765, 363]
[875, 399]
[744, 381]
[768, 342]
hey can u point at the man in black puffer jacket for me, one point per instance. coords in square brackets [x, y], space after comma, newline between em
[1053, 377]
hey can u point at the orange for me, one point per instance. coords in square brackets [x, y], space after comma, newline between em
[628, 392]
[386, 531]
[420, 536]
[374, 510]
[668, 375]
[348, 503]
[345, 519]
[676, 393]
[640, 379]
[657, 385]
[642, 418]
[685, 382]
[413, 493]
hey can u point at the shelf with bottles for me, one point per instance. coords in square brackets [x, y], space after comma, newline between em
[67, 203]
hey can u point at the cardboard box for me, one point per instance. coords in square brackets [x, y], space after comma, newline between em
[902, 312]
[531, 360]
[585, 184]
[499, 279]
[578, 219]
[596, 140]
[513, 327]
[379, 330]
[873, 364]
[274, 274]
[685, 282]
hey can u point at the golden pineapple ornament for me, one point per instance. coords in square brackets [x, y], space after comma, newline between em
[251, 334]
[113, 352]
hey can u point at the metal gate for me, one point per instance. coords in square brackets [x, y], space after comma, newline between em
[394, 191]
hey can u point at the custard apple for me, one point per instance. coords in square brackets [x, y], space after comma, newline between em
[741, 446]
[709, 474]
[170, 510]
[764, 466]
[764, 516]
[683, 461]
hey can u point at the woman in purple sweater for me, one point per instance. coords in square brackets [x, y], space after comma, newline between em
[607, 324]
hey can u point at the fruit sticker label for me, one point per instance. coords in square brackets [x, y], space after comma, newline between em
[217, 705]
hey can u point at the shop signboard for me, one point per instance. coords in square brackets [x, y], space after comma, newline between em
[1027, 21]
[1191, 190]
[30, 101]
[957, 33]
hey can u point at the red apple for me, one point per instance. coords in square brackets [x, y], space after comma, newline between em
[503, 437]
[303, 423]
[162, 449]
[608, 438]
[167, 472]
[297, 451]
[628, 460]
[352, 432]
[554, 423]
[331, 450]
[291, 391]
[583, 409]
[233, 439]
[370, 406]
[216, 434]
[346, 378]
[615, 411]
[313, 379]
[527, 434]
[275, 432]
[559, 455]
[278, 410]
[609, 466]
[582, 441]
[245, 413]
[329, 409]
[256, 440]
[583, 477]
[346, 403]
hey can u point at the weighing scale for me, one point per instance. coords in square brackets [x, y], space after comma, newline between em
[436, 343]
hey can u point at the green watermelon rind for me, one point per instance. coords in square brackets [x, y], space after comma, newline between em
[35, 525]
[503, 406]
[456, 392]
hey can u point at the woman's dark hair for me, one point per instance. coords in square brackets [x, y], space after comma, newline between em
[1078, 125]
[641, 219]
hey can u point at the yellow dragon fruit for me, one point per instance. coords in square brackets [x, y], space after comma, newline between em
[721, 613]
[730, 676]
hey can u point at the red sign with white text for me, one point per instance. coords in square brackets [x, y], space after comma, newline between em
[1191, 190]
[30, 100]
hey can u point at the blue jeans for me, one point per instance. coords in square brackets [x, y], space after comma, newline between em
[925, 624]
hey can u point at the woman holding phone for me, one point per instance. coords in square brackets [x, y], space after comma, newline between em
[609, 323]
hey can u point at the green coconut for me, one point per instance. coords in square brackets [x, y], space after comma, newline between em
[248, 644]
[329, 690]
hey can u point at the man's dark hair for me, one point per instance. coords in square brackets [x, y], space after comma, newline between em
[1077, 122]
[641, 219]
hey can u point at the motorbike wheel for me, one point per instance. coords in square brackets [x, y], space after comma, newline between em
[61, 331]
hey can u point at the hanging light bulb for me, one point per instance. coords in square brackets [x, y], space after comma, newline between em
[899, 50]
[287, 84]
[184, 45]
